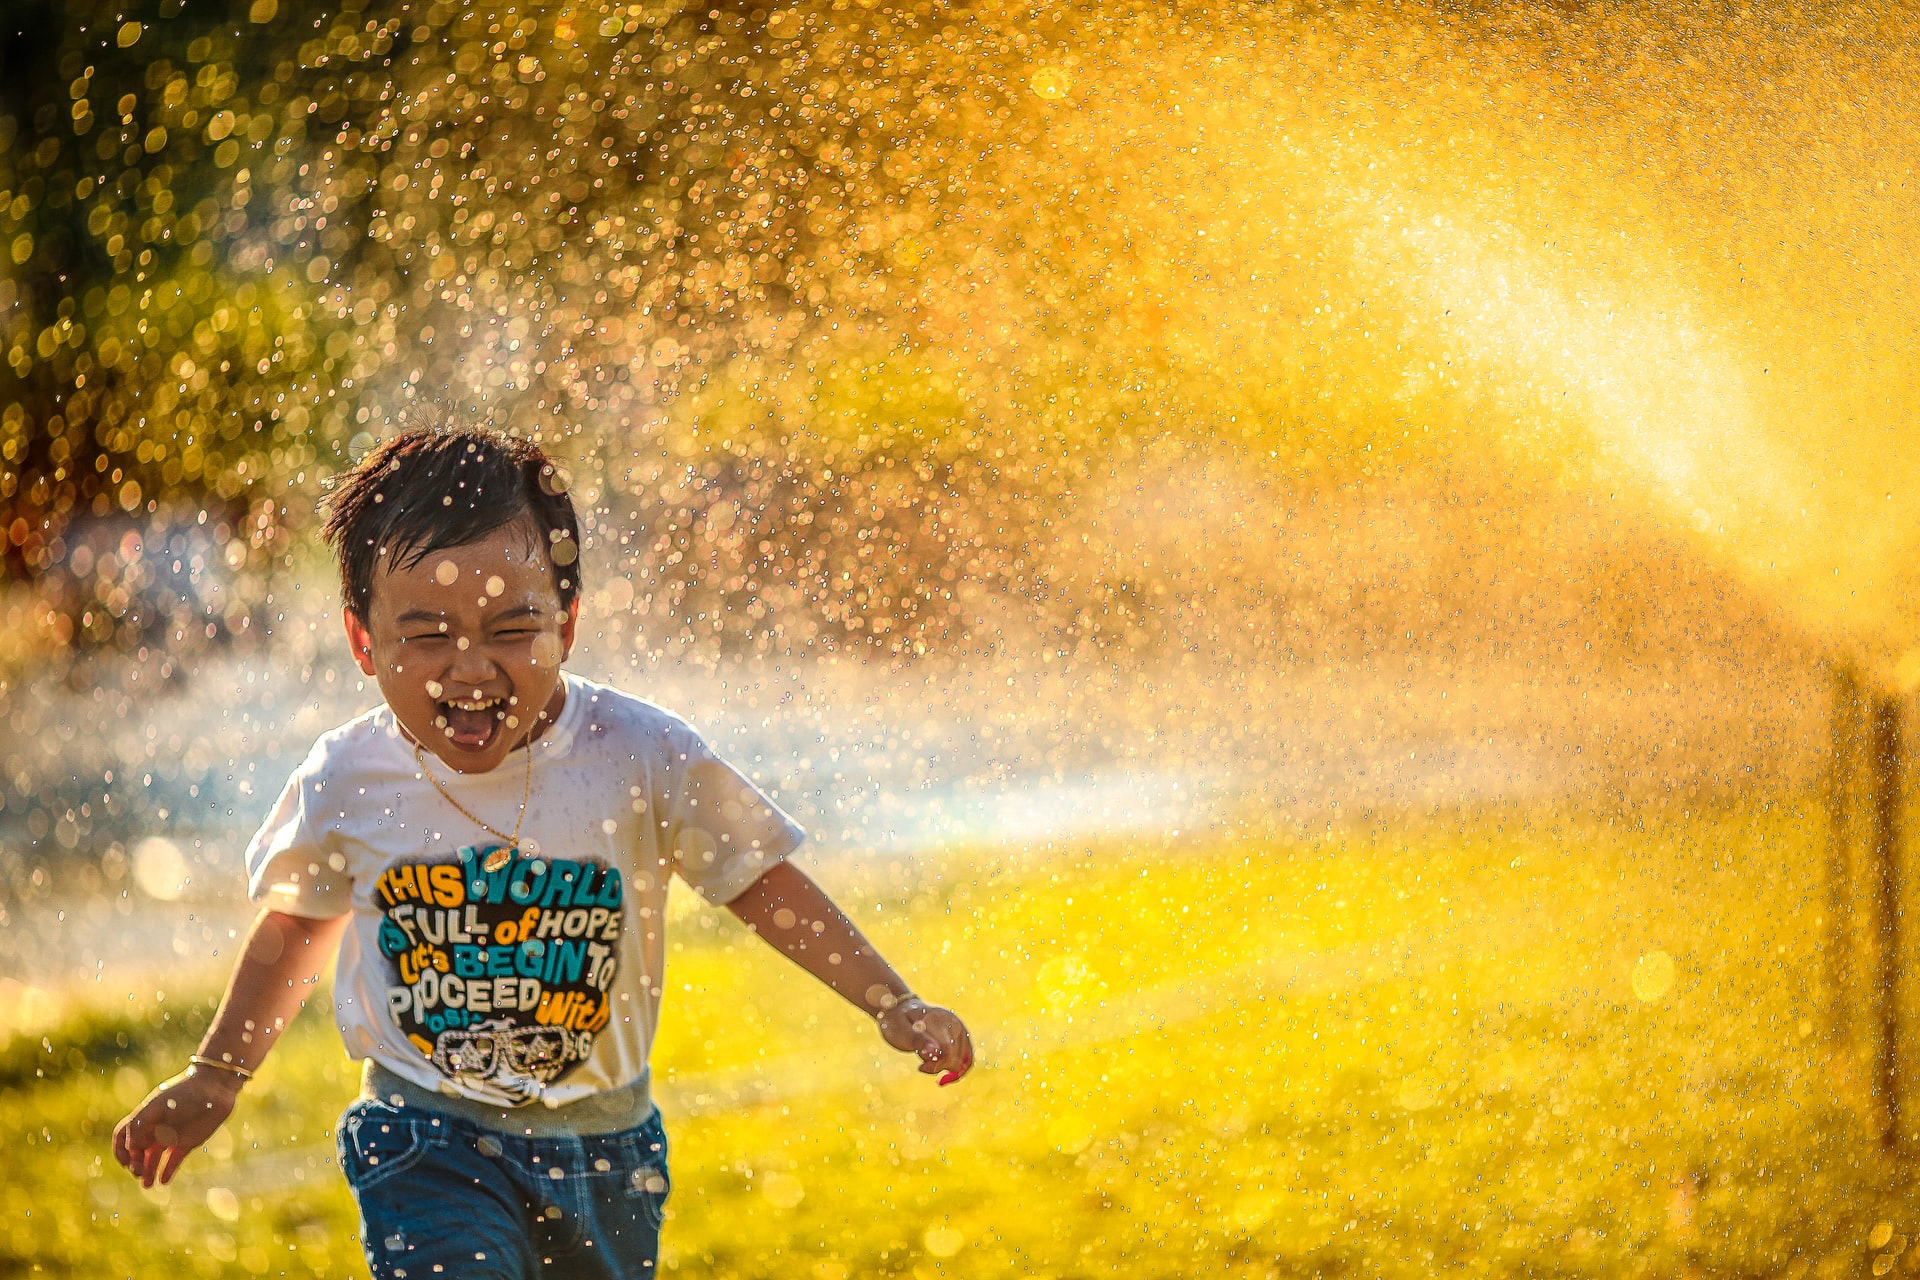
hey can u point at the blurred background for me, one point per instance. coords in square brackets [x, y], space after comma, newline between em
[1399, 475]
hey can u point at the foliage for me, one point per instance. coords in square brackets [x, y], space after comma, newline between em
[1414, 1049]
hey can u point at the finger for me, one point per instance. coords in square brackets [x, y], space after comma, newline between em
[965, 1065]
[160, 1138]
[934, 1050]
[961, 1057]
[937, 1052]
[120, 1154]
[131, 1142]
[144, 1155]
[962, 1065]
[170, 1163]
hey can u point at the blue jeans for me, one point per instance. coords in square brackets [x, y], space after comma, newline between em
[442, 1196]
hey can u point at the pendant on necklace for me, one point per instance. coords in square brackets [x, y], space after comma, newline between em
[497, 859]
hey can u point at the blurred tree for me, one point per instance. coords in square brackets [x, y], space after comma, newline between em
[241, 234]
[149, 372]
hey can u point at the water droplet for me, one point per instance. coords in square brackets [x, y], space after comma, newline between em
[159, 868]
[1070, 1132]
[1652, 976]
[943, 1241]
[1051, 83]
[1417, 1092]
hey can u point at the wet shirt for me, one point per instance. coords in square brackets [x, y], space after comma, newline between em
[503, 974]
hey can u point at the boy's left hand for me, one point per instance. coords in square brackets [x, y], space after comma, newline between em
[936, 1034]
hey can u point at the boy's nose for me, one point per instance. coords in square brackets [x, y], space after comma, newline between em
[470, 667]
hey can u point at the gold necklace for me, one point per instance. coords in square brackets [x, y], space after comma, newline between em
[499, 857]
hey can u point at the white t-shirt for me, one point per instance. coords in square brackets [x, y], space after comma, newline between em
[510, 978]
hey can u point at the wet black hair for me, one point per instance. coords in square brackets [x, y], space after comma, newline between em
[434, 487]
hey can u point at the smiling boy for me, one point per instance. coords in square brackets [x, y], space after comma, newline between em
[488, 852]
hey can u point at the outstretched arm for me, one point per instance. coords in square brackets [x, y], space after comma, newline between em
[793, 914]
[283, 958]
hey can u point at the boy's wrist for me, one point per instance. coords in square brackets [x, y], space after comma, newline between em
[887, 1002]
[226, 1074]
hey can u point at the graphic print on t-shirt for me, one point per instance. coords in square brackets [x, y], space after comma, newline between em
[500, 978]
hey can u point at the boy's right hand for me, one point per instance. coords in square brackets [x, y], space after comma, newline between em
[176, 1117]
[936, 1034]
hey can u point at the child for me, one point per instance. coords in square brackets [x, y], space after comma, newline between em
[489, 852]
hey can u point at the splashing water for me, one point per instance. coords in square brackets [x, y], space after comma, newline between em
[1423, 236]
[1605, 240]
[876, 333]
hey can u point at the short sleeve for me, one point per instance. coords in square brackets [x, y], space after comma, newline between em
[288, 868]
[723, 832]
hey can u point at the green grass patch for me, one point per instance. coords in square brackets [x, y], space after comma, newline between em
[1415, 1049]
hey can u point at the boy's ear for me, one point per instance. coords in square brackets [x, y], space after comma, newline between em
[360, 640]
[568, 625]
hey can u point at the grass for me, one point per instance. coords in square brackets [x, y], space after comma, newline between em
[1394, 1052]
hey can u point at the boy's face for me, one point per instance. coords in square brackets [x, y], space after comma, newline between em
[466, 644]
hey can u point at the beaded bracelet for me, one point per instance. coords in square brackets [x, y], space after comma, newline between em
[200, 1060]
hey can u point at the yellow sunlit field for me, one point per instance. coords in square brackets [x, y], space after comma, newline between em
[1499, 1045]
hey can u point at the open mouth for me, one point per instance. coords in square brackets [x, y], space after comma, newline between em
[471, 723]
